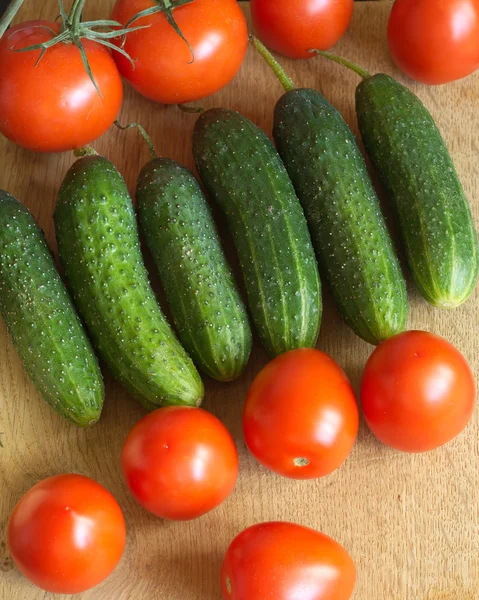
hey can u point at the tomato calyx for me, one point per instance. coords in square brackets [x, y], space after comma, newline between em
[166, 7]
[73, 30]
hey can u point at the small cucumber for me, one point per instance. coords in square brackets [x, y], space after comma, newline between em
[434, 217]
[354, 249]
[42, 320]
[208, 312]
[244, 174]
[100, 250]
[415, 167]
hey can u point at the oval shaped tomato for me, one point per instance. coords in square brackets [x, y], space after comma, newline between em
[180, 462]
[66, 534]
[417, 392]
[54, 106]
[164, 70]
[300, 418]
[285, 561]
[435, 42]
[294, 27]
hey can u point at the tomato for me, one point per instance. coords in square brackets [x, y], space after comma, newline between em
[180, 462]
[300, 418]
[54, 106]
[417, 392]
[294, 27]
[66, 534]
[284, 561]
[164, 70]
[435, 41]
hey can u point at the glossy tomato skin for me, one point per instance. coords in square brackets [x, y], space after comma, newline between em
[300, 417]
[435, 42]
[285, 561]
[66, 534]
[180, 462]
[164, 71]
[417, 392]
[294, 27]
[54, 106]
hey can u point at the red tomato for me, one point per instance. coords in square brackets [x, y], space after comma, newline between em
[417, 392]
[180, 462]
[54, 106]
[294, 27]
[300, 417]
[435, 41]
[284, 561]
[164, 71]
[66, 534]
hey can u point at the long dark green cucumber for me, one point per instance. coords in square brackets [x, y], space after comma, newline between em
[416, 169]
[99, 248]
[208, 312]
[353, 245]
[42, 320]
[244, 174]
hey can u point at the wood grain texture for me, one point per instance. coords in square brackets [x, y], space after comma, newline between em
[410, 522]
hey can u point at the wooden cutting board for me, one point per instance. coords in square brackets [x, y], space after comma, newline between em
[411, 522]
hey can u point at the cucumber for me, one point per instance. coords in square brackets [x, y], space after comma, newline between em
[244, 174]
[207, 310]
[414, 165]
[42, 321]
[100, 251]
[354, 249]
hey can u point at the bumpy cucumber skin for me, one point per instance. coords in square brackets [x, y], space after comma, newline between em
[354, 249]
[100, 251]
[207, 309]
[415, 167]
[243, 172]
[42, 320]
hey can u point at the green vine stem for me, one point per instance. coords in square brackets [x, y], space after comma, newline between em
[9, 15]
[277, 69]
[345, 62]
[73, 30]
[145, 136]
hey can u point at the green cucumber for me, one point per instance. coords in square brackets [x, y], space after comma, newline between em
[434, 217]
[100, 251]
[207, 310]
[244, 174]
[354, 248]
[42, 320]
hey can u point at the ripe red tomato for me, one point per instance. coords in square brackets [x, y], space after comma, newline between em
[294, 27]
[53, 107]
[435, 42]
[180, 462]
[300, 417]
[417, 392]
[164, 71]
[284, 561]
[66, 534]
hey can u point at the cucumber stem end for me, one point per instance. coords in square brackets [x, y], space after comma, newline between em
[345, 62]
[278, 70]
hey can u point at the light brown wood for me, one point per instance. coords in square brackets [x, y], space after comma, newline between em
[410, 522]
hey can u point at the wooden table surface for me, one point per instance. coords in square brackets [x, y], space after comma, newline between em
[411, 522]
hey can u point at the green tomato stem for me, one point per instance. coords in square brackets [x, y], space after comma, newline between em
[10, 13]
[75, 14]
[345, 62]
[278, 70]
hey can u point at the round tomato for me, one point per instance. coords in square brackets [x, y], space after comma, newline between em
[180, 462]
[435, 42]
[417, 392]
[164, 69]
[300, 417]
[66, 534]
[285, 561]
[54, 106]
[294, 27]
